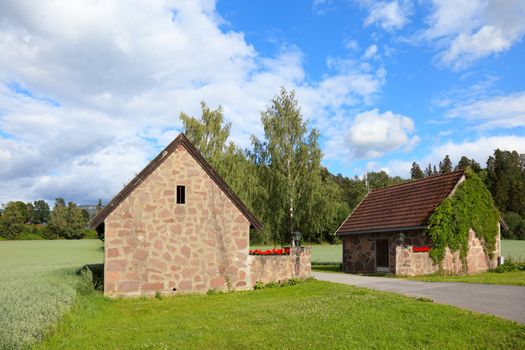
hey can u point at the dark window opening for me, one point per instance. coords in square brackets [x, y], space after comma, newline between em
[181, 194]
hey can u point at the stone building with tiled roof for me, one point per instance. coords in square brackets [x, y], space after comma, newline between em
[386, 231]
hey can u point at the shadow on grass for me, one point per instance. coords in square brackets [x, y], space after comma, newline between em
[327, 267]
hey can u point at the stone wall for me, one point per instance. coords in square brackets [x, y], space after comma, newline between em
[153, 244]
[269, 268]
[359, 255]
[409, 263]
[359, 252]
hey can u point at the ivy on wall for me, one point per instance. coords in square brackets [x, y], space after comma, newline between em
[471, 206]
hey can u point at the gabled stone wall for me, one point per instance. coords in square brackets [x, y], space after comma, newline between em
[269, 268]
[154, 244]
[409, 263]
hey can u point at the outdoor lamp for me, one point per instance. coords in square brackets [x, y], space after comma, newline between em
[297, 238]
[402, 238]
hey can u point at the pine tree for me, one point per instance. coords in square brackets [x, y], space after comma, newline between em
[416, 172]
[428, 170]
[445, 166]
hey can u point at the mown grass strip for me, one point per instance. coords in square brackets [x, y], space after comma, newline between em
[313, 315]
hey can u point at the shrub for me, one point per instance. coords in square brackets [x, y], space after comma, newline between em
[510, 265]
[90, 234]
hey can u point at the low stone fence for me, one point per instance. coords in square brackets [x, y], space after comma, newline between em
[269, 268]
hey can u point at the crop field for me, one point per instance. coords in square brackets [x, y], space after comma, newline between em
[37, 285]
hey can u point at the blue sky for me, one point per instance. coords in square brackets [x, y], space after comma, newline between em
[89, 92]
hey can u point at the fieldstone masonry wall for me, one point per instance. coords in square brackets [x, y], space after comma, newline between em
[359, 255]
[153, 244]
[409, 263]
[359, 252]
[268, 268]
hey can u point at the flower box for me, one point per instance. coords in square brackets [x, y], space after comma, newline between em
[421, 249]
[274, 251]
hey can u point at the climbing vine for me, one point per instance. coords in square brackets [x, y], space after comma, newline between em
[471, 206]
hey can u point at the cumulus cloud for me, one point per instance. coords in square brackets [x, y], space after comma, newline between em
[89, 91]
[388, 15]
[469, 30]
[491, 112]
[479, 149]
[372, 134]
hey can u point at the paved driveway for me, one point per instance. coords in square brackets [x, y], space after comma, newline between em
[504, 301]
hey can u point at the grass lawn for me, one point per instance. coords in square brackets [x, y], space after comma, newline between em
[313, 315]
[37, 285]
[516, 278]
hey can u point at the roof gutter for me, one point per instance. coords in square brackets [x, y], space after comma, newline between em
[382, 230]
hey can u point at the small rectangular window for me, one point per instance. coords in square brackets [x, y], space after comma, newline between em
[181, 194]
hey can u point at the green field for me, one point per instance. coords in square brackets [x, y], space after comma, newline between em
[38, 287]
[513, 249]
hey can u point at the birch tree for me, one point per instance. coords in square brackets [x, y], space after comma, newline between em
[288, 163]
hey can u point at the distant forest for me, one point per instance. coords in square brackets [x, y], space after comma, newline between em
[281, 180]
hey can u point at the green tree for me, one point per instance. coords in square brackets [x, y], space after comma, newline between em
[506, 180]
[428, 170]
[76, 222]
[353, 189]
[209, 134]
[40, 212]
[416, 172]
[445, 166]
[289, 165]
[516, 226]
[13, 218]
[85, 214]
[58, 218]
[465, 163]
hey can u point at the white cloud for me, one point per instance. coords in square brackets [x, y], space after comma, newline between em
[499, 111]
[389, 15]
[479, 149]
[370, 52]
[466, 31]
[120, 74]
[372, 134]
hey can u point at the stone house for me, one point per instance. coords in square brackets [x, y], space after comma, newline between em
[386, 231]
[178, 227]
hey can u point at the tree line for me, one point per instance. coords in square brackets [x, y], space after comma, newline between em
[504, 176]
[36, 220]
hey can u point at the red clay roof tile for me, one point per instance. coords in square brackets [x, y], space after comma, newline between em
[400, 206]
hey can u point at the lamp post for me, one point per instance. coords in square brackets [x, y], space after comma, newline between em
[296, 239]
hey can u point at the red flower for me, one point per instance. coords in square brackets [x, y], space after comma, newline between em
[421, 249]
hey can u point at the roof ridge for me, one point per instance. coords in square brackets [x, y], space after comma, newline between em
[411, 182]
[181, 139]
